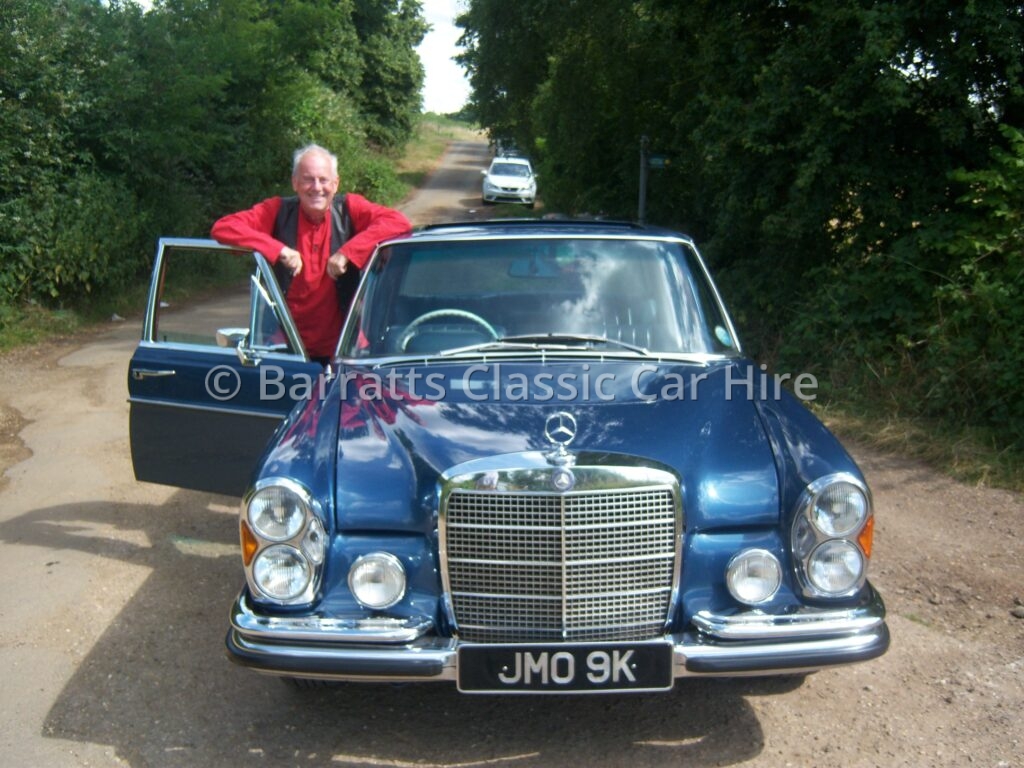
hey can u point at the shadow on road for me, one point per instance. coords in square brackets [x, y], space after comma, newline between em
[158, 687]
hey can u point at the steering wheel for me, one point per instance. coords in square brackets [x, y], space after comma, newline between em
[413, 328]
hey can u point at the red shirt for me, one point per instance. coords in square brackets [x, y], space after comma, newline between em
[312, 297]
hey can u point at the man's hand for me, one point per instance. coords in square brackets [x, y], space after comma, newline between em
[337, 265]
[291, 259]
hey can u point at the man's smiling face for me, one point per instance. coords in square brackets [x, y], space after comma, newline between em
[316, 183]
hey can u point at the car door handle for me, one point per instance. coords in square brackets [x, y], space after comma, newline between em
[147, 373]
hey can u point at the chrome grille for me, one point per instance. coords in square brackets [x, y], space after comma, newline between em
[529, 566]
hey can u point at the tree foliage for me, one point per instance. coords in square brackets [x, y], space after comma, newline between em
[389, 92]
[813, 147]
[119, 125]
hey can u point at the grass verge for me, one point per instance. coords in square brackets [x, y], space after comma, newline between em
[967, 454]
[32, 323]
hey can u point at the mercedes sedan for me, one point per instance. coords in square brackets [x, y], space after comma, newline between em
[540, 461]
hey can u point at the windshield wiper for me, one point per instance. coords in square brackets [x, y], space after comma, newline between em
[486, 346]
[587, 339]
[540, 341]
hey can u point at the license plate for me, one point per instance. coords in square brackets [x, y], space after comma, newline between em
[565, 668]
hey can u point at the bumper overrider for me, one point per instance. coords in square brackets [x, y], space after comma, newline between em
[392, 650]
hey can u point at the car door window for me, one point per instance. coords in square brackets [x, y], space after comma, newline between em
[190, 274]
[247, 313]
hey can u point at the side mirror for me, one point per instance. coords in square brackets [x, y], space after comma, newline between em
[231, 337]
[483, 172]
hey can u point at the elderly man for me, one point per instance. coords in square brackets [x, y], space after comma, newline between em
[317, 242]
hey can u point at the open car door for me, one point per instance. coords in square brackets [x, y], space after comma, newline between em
[211, 380]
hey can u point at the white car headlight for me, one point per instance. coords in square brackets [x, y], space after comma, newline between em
[831, 536]
[281, 572]
[839, 509]
[753, 576]
[377, 580]
[283, 541]
[277, 512]
[835, 567]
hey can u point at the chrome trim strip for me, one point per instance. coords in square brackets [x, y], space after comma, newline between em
[443, 657]
[771, 658]
[204, 408]
[542, 354]
[754, 625]
[231, 353]
[184, 346]
[322, 629]
[465, 232]
[199, 242]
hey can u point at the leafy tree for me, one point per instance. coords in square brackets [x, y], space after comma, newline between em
[53, 197]
[392, 78]
[118, 125]
[811, 145]
[506, 47]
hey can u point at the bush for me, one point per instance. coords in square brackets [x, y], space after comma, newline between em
[63, 242]
[975, 342]
[935, 325]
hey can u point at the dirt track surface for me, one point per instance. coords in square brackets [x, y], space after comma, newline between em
[116, 596]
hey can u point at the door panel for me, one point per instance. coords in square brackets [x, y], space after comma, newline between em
[212, 379]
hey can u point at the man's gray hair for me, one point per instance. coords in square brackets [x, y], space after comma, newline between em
[303, 151]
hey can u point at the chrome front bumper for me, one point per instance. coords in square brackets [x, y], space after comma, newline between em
[747, 644]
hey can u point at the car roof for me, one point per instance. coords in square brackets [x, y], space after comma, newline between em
[510, 159]
[534, 228]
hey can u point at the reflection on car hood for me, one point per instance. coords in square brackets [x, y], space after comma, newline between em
[400, 429]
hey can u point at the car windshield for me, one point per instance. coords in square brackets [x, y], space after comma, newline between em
[623, 296]
[510, 169]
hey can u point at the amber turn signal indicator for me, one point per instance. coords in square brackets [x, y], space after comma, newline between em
[249, 543]
[866, 536]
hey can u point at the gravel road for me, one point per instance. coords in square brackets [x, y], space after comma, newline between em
[115, 607]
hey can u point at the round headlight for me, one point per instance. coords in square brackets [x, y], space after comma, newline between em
[839, 509]
[377, 580]
[835, 567]
[277, 512]
[753, 576]
[281, 572]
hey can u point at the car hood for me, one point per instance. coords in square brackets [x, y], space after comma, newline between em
[509, 181]
[400, 428]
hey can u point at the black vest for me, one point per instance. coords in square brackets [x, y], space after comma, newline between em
[286, 229]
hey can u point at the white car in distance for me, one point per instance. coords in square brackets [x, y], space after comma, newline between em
[509, 180]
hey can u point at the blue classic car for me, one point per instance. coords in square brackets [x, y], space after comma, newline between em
[539, 462]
